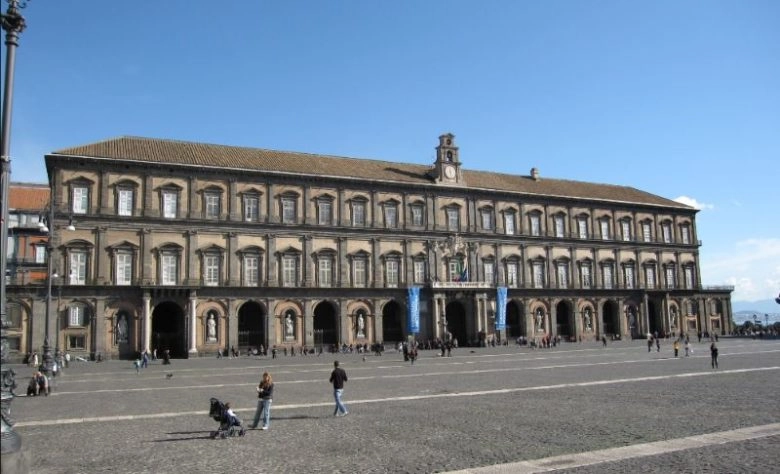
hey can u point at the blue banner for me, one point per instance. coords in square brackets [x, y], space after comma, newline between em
[501, 309]
[414, 310]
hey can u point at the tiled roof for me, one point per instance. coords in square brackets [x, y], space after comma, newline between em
[254, 159]
[28, 197]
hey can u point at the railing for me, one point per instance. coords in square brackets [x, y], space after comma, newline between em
[461, 284]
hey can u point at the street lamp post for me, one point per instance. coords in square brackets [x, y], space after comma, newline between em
[10, 442]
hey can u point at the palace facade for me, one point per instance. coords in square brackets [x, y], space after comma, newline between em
[197, 248]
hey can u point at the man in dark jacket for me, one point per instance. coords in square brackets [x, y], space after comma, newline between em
[337, 378]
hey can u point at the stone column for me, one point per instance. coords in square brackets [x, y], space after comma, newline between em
[192, 326]
[147, 322]
[379, 332]
[308, 323]
[100, 327]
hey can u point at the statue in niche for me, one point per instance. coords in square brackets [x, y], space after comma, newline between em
[539, 319]
[361, 326]
[588, 321]
[121, 329]
[288, 326]
[211, 328]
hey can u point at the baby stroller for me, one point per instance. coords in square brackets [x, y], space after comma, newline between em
[228, 425]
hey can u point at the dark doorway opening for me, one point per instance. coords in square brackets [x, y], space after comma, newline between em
[563, 321]
[325, 326]
[514, 320]
[610, 316]
[251, 326]
[456, 323]
[168, 330]
[392, 322]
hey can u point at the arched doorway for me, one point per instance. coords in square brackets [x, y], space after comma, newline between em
[456, 322]
[563, 321]
[168, 329]
[656, 320]
[392, 322]
[610, 318]
[514, 320]
[251, 326]
[325, 324]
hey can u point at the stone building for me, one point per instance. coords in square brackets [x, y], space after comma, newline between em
[196, 248]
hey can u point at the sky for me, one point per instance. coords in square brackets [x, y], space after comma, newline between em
[678, 98]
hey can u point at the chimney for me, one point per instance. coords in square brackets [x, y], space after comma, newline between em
[535, 174]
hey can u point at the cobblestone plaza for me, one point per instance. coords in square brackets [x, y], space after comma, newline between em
[579, 407]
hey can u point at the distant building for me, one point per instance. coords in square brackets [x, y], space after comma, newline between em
[195, 247]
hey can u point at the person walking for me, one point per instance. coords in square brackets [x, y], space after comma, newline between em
[676, 346]
[714, 355]
[265, 395]
[337, 378]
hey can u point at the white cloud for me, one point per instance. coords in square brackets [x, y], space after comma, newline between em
[689, 201]
[752, 266]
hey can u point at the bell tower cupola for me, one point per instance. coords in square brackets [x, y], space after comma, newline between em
[447, 161]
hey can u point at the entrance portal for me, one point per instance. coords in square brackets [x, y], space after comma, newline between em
[456, 322]
[168, 330]
[251, 326]
[514, 322]
[392, 322]
[325, 327]
[610, 316]
[563, 321]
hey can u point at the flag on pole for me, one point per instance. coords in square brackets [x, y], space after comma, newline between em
[464, 275]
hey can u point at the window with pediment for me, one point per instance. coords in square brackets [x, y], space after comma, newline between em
[417, 214]
[326, 260]
[420, 270]
[290, 268]
[325, 210]
[489, 271]
[670, 273]
[169, 257]
[513, 273]
[647, 231]
[608, 274]
[79, 197]
[453, 218]
[535, 223]
[124, 198]
[124, 263]
[650, 277]
[582, 227]
[666, 232]
[689, 273]
[586, 274]
[604, 227]
[358, 212]
[392, 263]
[359, 270]
[625, 229]
[685, 233]
[509, 222]
[288, 203]
[251, 264]
[538, 269]
[211, 261]
[629, 275]
[562, 273]
[251, 206]
[559, 223]
[486, 216]
[77, 315]
[390, 209]
[212, 203]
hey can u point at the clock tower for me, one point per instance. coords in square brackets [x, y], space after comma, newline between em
[447, 166]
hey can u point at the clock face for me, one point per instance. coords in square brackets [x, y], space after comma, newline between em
[449, 172]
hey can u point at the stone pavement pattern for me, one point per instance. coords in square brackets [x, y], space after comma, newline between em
[480, 407]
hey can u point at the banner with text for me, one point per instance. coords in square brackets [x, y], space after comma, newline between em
[501, 309]
[414, 310]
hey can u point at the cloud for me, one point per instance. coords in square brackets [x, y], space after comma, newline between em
[752, 266]
[689, 201]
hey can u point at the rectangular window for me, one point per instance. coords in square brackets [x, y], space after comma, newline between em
[359, 272]
[251, 208]
[358, 214]
[78, 268]
[251, 270]
[609, 281]
[604, 229]
[563, 275]
[288, 211]
[170, 204]
[419, 271]
[487, 220]
[417, 216]
[77, 341]
[170, 265]
[76, 316]
[666, 229]
[80, 200]
[509, 223]
[391, 279]
[391, 216]
[536, 226]
[582, 227]
[489, 270]
[586, 276]
[626, 229]
[455, 269]
[559, 227]
[40, 254]
[125, 202]
[538, 275]
[212, 206]
[689, 278]
[324, 212]
[324, 264]
[211, 270]
[124, 268]
[629, 276]
[453, 220]
[685, 232]
[511, 274]
[670, 277]
[650, 277]
[647, 232]
[289, 270]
